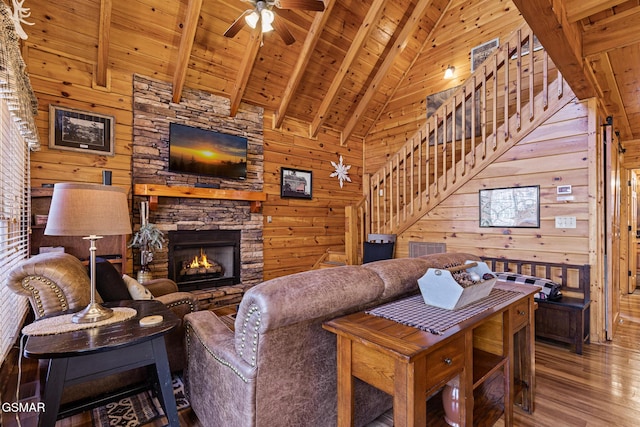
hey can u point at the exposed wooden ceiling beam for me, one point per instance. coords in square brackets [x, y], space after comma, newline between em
[401, 43]
[373, 15]
[580, 9]
[616, 31]
[561, 39]
[104, 32]
[303, 60]
[426, 43]
[186, 45]
[244, 72]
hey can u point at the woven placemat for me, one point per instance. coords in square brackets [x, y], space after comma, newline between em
[63, 323]
[414, 312]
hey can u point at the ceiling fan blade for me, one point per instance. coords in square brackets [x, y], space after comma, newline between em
[281, 28]
[237, 25]
[315, 5]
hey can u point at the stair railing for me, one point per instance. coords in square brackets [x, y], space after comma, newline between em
[504, 99]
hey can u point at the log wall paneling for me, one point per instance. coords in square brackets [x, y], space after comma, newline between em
[66, 80]
[631, 154]
[535, 161]
[302, 230]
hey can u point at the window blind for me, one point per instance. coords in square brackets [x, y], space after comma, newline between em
[15, 211]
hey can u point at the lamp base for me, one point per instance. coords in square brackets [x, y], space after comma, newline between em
[144, 275]
[92, 313]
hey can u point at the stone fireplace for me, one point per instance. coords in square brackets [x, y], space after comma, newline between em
[240, 257]
[203, 259]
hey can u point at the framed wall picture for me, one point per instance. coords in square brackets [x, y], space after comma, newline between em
[482, 52]
[510, 207]
[295, 183]
[81, 131]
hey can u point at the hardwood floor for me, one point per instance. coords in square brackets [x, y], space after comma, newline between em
[599, 388]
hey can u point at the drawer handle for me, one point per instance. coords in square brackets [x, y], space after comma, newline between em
[522, 312]
[447, 361]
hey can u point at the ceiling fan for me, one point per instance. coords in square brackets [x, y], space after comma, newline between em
[262, 14]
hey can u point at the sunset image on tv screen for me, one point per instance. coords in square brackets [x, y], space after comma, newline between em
[204, 152]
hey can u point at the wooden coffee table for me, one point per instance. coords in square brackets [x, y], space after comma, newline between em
[97, 352]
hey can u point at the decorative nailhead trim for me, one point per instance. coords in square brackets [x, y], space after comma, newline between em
[192, 306]
[253, 309]
[35, 293]
[215, 356]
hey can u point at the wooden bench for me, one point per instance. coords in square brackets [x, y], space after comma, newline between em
[566, 319]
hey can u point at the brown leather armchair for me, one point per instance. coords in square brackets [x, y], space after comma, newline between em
[57, 283]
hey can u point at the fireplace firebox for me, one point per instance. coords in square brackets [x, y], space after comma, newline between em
[202, 259]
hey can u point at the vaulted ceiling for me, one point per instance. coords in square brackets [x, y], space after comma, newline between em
[347, 62]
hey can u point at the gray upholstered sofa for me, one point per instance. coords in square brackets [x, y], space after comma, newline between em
[278, 368]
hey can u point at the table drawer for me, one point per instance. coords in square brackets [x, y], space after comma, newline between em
[445, 362]
[520, 315]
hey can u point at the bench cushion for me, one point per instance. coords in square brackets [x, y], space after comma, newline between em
[550, 289]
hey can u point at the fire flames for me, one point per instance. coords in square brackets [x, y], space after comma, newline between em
[200, 261]
[200, 265]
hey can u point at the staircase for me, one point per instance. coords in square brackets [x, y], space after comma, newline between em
[512, 93]
[354, 236]
[330, 259]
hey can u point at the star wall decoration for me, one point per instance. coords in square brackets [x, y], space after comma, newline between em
[342, 172]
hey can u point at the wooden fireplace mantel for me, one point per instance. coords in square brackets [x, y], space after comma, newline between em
[153, 191]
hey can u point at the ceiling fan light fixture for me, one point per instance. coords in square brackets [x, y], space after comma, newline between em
[266, 27]
[264, 16]
[252, 19]
[267, 19]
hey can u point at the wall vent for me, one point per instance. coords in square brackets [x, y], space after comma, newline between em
[417, 249]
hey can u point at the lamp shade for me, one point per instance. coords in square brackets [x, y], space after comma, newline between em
[88, 209]
[449, 72]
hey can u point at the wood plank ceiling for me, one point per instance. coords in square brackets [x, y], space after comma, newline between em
[333, 76]
[348, 61]
[596, 45]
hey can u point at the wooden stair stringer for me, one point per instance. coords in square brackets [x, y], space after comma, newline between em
[331, 258]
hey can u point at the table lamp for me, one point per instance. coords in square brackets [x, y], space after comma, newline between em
[91, 211]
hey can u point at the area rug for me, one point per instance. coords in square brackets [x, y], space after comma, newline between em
[138, 409]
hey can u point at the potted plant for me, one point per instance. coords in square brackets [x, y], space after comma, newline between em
[149, 238]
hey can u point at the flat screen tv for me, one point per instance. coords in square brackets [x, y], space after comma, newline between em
[205, 152]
